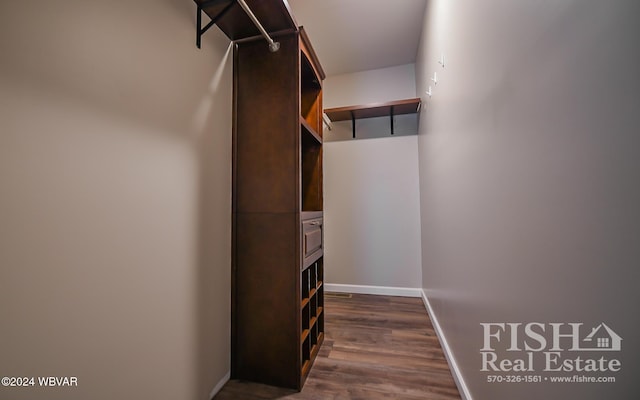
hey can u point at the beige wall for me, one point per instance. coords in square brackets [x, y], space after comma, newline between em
[529, 169]
[371, 86]
[371, 209]
[372, 213]
[115, 177]
[368, 87]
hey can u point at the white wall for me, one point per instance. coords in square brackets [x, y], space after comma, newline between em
[529, 163]
[115, 177]
[368, 87]
[372, 86]
[372, 213]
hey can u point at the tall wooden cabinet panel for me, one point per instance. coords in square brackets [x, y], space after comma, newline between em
[265, 103]
[278, 296]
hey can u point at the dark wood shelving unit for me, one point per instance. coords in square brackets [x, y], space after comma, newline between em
[277, 247]
[278, 267]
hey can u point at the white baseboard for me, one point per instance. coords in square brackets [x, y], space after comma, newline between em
[220, 384]
[453, 365]
[379, 290]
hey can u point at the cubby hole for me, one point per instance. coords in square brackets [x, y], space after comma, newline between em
[320, 322]
[320, 301]
[306, 350]
[310, 98]
[311, 154]
[313, 276]
[314, 336]
[319, 272]
[313, 309]
[306, 317]
[305, 286]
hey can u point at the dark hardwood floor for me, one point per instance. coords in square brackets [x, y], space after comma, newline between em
[376, 347]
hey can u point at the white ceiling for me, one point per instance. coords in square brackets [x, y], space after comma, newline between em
[358, 35]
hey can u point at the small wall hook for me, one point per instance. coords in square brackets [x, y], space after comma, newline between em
[441, 60]
[435, 78]
[429, 93]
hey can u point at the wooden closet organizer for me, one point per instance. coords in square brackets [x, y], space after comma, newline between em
[277, 254]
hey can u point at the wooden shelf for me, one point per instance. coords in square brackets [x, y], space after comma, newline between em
[305, 367]
[311, 133]
[316, 347]
[305, 301]
[313, 352]
[274, 15]
[305, 334]
[399, 107]
[388, 109]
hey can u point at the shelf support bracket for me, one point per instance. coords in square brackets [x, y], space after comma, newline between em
[353, 124]
[391, 118]
[273, 46]
[199, 29]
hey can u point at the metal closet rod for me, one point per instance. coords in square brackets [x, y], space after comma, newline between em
[273, 46]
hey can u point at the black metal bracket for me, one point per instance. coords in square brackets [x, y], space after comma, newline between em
[391, 118]
[353, 124]
[199, 29]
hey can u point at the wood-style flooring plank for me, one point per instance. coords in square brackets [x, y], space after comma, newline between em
[376, 347]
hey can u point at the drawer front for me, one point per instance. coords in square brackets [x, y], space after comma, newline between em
[311, 240]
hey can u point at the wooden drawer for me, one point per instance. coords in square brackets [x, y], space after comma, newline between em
[312, 240]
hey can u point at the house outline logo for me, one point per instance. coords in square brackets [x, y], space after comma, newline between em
[602, 338]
